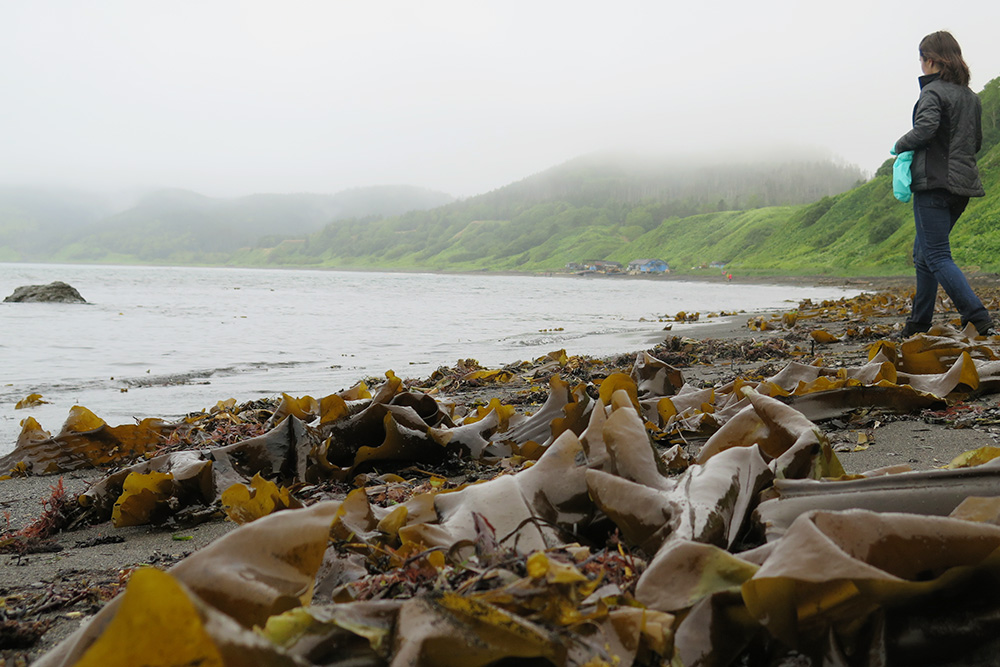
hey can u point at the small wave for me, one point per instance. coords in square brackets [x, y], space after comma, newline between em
[549, 338]
[542, 340]
[17, 392]
[14, 393]
[203, 376]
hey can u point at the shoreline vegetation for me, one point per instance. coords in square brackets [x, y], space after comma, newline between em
[803, 483]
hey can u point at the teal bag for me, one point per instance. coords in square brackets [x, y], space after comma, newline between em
[901, 176]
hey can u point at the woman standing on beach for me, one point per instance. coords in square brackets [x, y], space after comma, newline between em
[946, 135]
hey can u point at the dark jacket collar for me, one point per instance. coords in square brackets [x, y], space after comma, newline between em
[927, 78]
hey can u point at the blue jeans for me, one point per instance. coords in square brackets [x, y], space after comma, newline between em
[935, 212]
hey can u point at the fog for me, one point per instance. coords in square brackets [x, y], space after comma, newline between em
[232, 98]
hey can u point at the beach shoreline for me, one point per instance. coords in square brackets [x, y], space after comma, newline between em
[99, 558]
[713, 275]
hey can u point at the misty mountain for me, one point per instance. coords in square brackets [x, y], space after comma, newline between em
[178, 220]
[407, 227]
[180, 225]
[689, 183]
[615, 198]
[30, 218]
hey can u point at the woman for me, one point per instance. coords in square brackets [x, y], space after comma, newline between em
[946, 135]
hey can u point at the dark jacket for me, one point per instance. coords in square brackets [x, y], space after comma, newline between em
[947, 133]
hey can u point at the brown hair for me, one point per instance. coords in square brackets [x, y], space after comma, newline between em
[942, 49]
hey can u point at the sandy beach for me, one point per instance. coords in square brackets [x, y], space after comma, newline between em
[59, 589]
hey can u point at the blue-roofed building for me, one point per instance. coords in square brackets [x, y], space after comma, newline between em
[648, 266]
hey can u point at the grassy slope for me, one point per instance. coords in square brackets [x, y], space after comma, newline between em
[862, 231]
[976, 238]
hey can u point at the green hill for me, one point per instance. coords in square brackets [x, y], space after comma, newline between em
[788, 218]
[589, 208]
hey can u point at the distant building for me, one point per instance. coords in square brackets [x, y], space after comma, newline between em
[603, 266]
[575, 266]
[648, 266]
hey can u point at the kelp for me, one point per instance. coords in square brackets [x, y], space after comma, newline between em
[931, 493]
[950, 369]
[29, 401]
[244, 578]
[746, 546]
[243, 503]
[518, 518]
[534, 509]
[539, 427]
[153, 599]
[142, 495]
[836, 573]
[85, 440]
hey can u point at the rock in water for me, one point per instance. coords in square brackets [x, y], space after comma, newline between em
[54, 292]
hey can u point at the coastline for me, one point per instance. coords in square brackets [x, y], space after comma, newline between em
[231, 344]
[707, 275]
[95, 559]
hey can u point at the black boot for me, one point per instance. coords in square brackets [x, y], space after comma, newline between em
[985, 328]
[912, 328]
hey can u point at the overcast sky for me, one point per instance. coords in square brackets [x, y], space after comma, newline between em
[230, 98]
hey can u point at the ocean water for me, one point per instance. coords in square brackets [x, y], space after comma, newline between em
[165, 341]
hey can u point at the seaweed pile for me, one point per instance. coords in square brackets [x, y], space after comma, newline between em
[631, 518]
